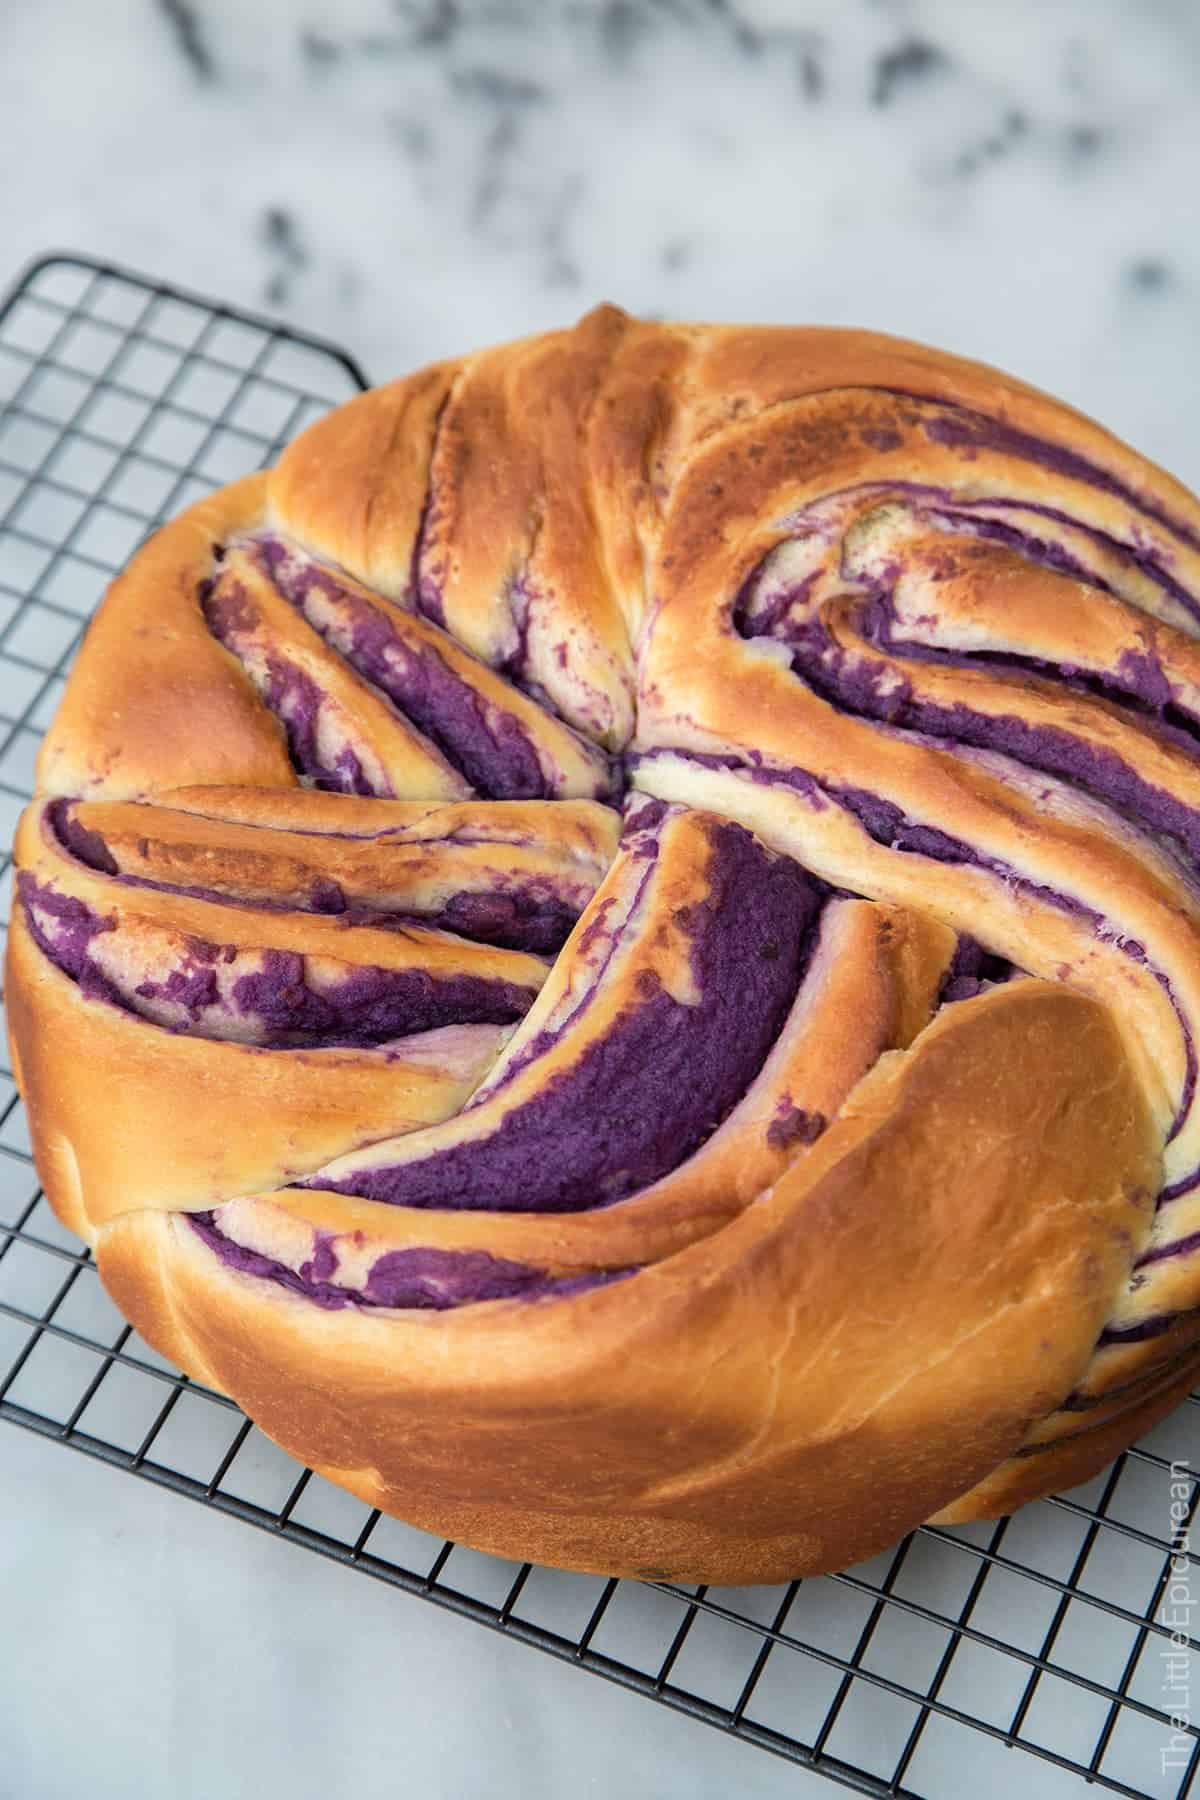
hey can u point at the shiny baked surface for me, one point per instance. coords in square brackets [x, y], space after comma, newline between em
[633, 910]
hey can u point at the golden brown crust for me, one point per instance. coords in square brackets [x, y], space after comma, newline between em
[878, 965]
[908, 622]
[98, 1162]
[243, 847]
[737, 1380]
[354, 485]
[122, 729]
[1073, 1460]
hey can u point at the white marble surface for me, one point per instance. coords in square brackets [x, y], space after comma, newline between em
[1013, 181]
[152, 1650]
[1017, 182]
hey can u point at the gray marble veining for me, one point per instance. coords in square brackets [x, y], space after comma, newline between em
[1016, 182]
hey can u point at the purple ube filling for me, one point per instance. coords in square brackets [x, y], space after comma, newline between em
[964, 429]
[424, 587]
[794, 1125]
[882, 693]
[1137, 682]
[770, 618]
[437, 1280]
[1181, 1247]
[640, 1100]
[292, 695]
[983, 516]
[1042, 550]
[369, 1006]
[888, 825]
[487, 745]
[1153, 1327]
[1184, 1246]
[640, 842]
[1136, 678]
[879, 691]
[971, 969]
[68, 947]
[88, 847]
[513, 919]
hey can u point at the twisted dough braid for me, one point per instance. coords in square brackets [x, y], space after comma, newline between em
[632, 913]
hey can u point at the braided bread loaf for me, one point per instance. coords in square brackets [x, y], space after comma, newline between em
[630, 917]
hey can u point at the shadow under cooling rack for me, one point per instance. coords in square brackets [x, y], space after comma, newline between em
[1033, 1651]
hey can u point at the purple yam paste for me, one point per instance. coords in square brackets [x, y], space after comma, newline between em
[879, 691]
[368, 1007]
[638, 1102]
[888, 825]
[1136, 682]
[291, 694]
[520, 918]
[425, 588]
[1163, 1252]
[192, 986]
[514, 919]
[792, 1124]
[964, 429]
[1041, 550]
[1101, 771]
[88, 847]
[640, 841]
[1155, 1326]
[295, 699]
[754, 618]
[971, 970]
[487, 746]
[983, 512]
[69, 947]
[424, 1279]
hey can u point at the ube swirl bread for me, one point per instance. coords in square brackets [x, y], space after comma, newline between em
[630, 914]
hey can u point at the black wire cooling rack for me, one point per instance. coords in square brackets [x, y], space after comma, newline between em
[1036, 1651]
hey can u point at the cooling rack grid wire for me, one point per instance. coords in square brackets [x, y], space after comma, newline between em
[1037, 1650]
